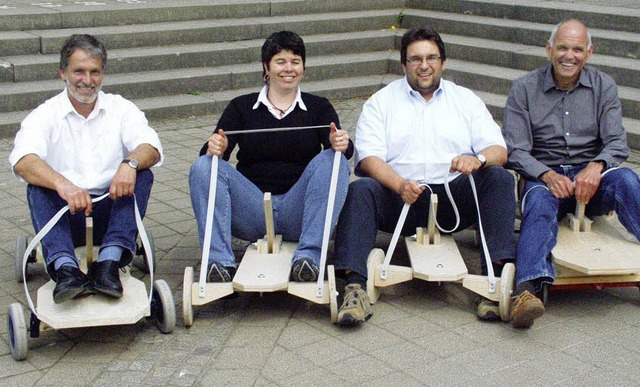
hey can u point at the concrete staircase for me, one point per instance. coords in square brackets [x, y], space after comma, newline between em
[191, 57]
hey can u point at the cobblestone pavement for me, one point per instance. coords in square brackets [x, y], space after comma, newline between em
[421, 333]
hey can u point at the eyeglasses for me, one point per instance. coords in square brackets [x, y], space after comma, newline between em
[417, 61]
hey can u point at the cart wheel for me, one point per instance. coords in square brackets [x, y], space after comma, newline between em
[187, 308]
[333, 294]
[141, 251]
[506, 289]
[375, 258]
[17, 331]
[21, 247]
[163, 307]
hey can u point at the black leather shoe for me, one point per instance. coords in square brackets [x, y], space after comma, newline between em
[106, 278]
[71, 282]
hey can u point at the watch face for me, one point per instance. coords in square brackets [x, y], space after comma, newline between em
[482, 159]
[133, 164]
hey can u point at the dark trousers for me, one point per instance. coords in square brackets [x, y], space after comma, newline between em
[371, 207]
[114, 221]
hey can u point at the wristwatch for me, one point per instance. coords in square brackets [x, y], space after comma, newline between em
[483, 160]
[131, 162]
[603, 163]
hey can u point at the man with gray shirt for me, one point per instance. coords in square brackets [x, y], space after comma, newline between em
[563, 128]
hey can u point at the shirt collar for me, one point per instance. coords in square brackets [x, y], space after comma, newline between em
[68, 108]
[549, 83]
[415, 94]
[262, 99]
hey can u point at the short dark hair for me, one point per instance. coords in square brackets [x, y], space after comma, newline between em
[417, 34]
[279, 41]
[87, 43]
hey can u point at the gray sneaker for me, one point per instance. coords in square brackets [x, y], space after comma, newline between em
[356, 307]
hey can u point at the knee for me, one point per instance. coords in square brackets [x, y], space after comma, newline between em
[145, 177]
[501, 176]
[201, 167]
[539, 202]
[363, 188]
[626, 179]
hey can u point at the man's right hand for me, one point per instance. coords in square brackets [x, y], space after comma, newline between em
[77, 198]
[410, 191]
[559, 185]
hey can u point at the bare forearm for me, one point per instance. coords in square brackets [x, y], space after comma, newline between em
[146, 156]
[496, 155]
[36, 171]
[379, 170]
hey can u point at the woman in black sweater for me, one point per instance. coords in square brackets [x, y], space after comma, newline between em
[295, 166]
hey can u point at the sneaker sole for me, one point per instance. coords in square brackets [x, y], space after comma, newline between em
[489, 316]
[349, 320]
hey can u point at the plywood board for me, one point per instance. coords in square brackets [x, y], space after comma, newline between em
[265, 272]
[603, 251]
[96, 310]
[438, 262]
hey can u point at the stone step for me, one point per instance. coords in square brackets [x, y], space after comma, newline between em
[549, 12]
[495, 79]
[616, 43]
[28, 95]
[43, 15]
[185, 105]
[25, 68]
[205, 31]
[625, 71]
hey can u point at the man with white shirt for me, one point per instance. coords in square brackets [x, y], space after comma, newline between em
[423, 129]
[77, 146]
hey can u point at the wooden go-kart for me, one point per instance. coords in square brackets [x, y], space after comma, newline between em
[265, 266]
[91, 311]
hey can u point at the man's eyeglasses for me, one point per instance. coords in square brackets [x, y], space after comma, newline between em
[417, 61]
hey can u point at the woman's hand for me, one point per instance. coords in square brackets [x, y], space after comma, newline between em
[339, 139]
[217, 144]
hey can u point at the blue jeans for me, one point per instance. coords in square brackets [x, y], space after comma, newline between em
[298, 215]
[619, 191]
[114, 222]
[371, 207]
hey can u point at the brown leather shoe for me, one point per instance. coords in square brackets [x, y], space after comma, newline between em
[525, 308]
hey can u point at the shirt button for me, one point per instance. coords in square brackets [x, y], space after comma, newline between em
[566, 113]
[567, 134]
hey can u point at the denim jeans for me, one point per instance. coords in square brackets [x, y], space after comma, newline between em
[114, 222]
[298, 215]
[619, 191]
[371, 207]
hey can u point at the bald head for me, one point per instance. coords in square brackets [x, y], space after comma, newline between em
[569, 49]
[571, 26]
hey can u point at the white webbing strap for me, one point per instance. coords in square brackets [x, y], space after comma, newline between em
[403, 217]
[208, 228]
[327, 221]
[52, 222]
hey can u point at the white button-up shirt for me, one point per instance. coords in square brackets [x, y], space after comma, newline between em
[87, 151]
[418, 139]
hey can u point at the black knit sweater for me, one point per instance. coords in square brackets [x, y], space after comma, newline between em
[275, 161]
